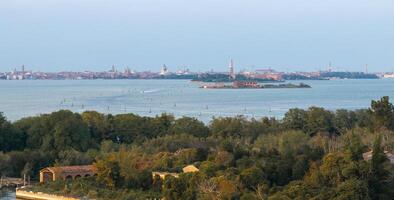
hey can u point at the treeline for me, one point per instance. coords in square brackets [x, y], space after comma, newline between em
[219, 77]
[309, 154]
[349, 75]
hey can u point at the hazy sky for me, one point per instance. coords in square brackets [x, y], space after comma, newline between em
[53, 35]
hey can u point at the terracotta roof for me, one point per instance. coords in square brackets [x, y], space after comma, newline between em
[190, 168]
[72, 169]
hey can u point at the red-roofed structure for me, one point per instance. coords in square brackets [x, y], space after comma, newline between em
[66, 172]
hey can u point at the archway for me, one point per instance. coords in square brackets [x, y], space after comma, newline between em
[69, 178]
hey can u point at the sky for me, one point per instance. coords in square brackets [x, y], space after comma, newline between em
[286, 35]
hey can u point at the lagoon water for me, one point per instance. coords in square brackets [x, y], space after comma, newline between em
[7, 194]
[182, 98]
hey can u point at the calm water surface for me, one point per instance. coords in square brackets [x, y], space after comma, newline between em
[7, 194]
[181, 97]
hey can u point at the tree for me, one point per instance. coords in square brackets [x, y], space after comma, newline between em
[98, 125]
[161, 124]
[319, 120]
[227, 126]
[295, 119]
[4, 164]
[353, 146]
[252, 177]
[292, 143]
[352, 189]
[126, 128]
[108, 171]
[71, 133]
[331, 169]
[378, 174]
[344, 120]
[383, 113]
[10, 137]
[191, 126]
[174, 189]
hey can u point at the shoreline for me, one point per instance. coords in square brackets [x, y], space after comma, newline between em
[30, 195]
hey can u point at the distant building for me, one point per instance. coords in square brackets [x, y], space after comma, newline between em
[18, 75]
[190, 169]
[388, 75]
[163, 175]
[368, 156]
[231, 70]
[187, 169]
[267, 74]
[164, 70]
[245, 84]
[183, 72]
[66, 172]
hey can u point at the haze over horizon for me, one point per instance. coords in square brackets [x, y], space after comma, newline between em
[287, 35]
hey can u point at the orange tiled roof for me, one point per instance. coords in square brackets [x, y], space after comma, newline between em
[72, 169]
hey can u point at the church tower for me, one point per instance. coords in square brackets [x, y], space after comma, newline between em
[231, 70]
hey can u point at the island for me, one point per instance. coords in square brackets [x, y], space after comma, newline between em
[219, 78]
[252, 85]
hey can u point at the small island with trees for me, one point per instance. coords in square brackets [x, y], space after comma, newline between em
[252, 85]
[224, 78]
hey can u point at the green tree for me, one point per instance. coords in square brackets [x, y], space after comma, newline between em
[72, 133]
[344, 120]
[378, 174]
[383, 113]
[98, 125]
[108, 171]
[191, 126]
[352, 189]
[10, 137]
[319, 120]
[353, 146]
[227, 126]
[174, 189]
[295, 119]
[250, 178]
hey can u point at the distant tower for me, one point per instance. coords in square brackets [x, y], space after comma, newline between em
[22, 76]
[366, 68]
[127, 71]
[329, 66]
[164, 70]
[231, 69]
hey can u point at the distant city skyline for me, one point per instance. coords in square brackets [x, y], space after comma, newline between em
[286, 35]
[174, 69]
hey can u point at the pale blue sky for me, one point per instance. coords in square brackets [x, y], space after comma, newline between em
[53, 35]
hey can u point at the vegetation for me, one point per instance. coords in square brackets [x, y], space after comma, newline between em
[309, 154]
[217, 77]
[349, 75]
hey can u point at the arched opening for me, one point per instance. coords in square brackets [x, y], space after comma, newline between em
[87, 175]
[46, 176]
[77, 176]
[69, 178]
